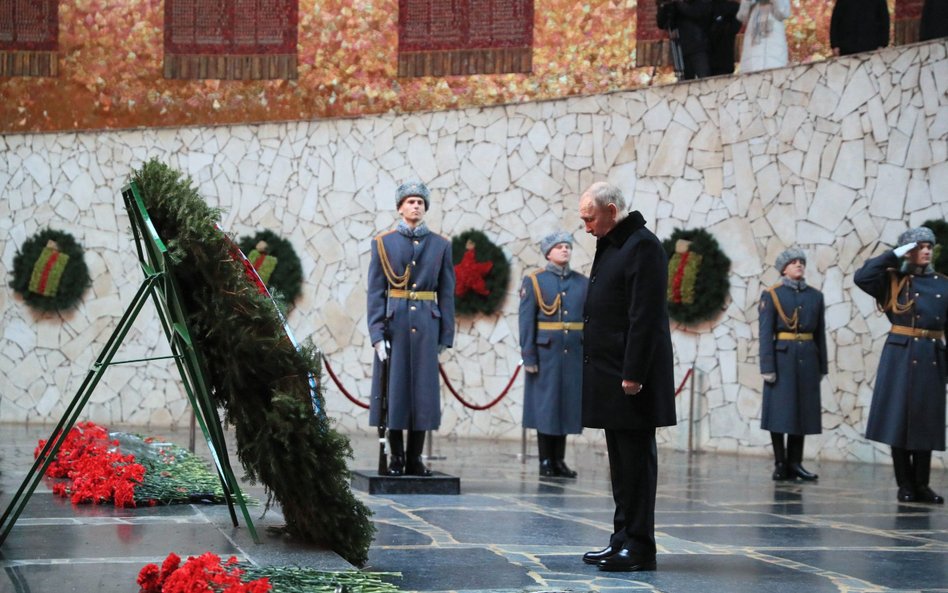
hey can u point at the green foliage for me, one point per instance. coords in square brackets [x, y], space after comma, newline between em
[298, 579]
[287, 278]
[256, 374]
[711, 285]
[72, 284]
[496, 280]
[939, 257]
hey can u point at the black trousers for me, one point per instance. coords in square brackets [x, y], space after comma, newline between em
[633, 467]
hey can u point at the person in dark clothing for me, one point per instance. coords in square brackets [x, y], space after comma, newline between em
[859, 25]
[934, 21]
[628, 368]
[908, 399]
[692, 21]
[723, 32]
[792, 362]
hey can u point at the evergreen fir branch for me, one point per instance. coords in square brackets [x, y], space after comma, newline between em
[256, 374]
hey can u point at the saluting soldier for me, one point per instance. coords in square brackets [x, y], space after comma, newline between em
[792, 362]
[551, 345]
[410, 304]
[908, 400]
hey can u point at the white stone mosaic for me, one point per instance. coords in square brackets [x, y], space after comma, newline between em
[837, 157]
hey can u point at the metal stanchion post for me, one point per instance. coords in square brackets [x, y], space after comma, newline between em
[691, 411]
[430, 455]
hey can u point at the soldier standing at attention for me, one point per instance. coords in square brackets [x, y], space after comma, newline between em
[792, 363]
[410, 305]
[908, 400]
[551, 345]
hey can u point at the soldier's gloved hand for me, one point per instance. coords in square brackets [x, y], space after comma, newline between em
[531, 368]
[441, 348]
[769, 377]
[903, 249]
[381, 349]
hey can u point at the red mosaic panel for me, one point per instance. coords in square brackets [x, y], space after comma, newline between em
[29, 25]
[461, 37]
[230, 39]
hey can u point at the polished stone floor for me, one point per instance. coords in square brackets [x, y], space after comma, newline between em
[722, 526]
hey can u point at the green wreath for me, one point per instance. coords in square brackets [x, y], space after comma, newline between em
[697, 275]
[276, 263]
[481, 271]
[939, 257]
[49, 271]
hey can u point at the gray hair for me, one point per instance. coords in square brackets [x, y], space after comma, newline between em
[603, 194]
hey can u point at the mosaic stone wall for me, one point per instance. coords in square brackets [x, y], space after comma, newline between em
[835, 156]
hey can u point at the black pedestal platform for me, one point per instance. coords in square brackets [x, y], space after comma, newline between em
[437, 483]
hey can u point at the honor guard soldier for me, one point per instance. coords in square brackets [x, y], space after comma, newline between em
[908, 400]
[410, 305]
[551, 345]
[792, 363]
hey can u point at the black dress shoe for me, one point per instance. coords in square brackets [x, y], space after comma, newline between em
[797, 470]
[547, 469]
[596, 556]
[562, 469]
[626, 561]
[926, 494]
[780, 471]
[416, 467]
[396, 465]
[906, 494]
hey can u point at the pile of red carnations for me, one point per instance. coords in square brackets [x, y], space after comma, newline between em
[202, 573]
[97, 472]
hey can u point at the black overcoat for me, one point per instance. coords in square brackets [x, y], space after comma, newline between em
[792, 403]
[859, 25]
[626, 333]
[908, 400]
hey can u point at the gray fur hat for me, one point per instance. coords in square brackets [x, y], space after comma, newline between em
[553, 239]
[412, 188]
[921, 234]
[788, 256]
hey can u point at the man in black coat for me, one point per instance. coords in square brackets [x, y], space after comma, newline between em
[859, 25]
[628, 380]
[934, 21]
[690, 20]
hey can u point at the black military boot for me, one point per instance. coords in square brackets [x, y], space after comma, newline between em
[795, 457]
[922, 464]
[414, 466]
[546, 448]
[559, 464]
[780, 457]
[904, 475]
[396, 460]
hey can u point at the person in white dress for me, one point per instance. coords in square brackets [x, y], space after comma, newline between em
[765, 40]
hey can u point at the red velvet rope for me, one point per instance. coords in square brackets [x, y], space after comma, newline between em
[473, 406]
[682, 385]
[335, 380]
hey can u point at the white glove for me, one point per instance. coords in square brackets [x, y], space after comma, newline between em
[531, 368]
[441, 348]
[381, 349]
[903, 249]
[769, 377]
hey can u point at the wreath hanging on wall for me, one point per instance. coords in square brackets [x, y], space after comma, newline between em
[49, 271]
[276, 263]
[482, 273]
[697, 275]
[939, 256]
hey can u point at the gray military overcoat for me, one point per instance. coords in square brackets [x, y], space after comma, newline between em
[792, 403]
[553, 397]
[416, 328]
[908, 400]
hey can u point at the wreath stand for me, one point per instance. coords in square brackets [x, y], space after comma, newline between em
[160, 285]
